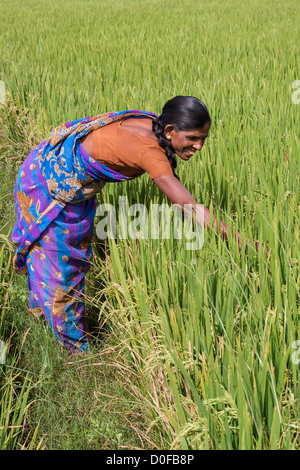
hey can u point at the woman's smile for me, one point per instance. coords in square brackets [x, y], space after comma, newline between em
[186, 154]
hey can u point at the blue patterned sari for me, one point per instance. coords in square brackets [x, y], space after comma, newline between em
[55, 196]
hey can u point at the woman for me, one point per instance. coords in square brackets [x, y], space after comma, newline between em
[55, 198]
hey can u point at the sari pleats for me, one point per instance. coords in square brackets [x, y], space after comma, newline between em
[57, 264]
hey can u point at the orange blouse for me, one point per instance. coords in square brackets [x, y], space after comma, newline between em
[128, 153]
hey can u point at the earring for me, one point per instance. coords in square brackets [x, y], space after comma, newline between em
[169, 137]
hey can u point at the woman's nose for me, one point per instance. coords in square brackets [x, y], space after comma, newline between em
[198, 145]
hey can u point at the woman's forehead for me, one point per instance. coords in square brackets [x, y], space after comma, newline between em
[200, 132]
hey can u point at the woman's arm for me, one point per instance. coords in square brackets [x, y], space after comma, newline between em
[178, 194]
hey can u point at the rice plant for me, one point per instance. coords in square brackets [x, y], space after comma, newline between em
[210, 335]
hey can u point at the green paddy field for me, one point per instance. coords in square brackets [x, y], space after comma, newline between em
[192, 349]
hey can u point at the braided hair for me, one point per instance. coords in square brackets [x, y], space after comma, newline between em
[185, 113]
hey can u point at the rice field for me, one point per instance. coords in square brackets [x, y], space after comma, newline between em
[205, 342]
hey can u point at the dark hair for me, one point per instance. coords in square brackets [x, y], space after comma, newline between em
[185, 113]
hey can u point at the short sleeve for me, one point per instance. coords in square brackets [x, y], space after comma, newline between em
[154, 161]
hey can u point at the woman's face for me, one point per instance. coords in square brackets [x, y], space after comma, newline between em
[186, 143]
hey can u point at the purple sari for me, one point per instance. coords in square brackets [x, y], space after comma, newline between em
[55, 196]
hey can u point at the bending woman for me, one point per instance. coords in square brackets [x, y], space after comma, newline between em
[56, 190]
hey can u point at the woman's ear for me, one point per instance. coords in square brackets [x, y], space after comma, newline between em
[168, 131]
